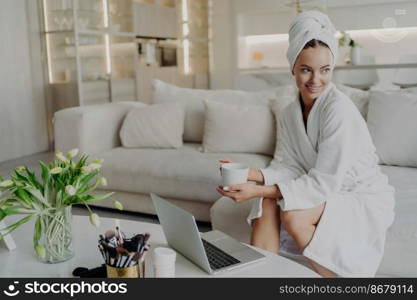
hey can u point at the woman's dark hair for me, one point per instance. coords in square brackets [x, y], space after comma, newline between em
[313, 43]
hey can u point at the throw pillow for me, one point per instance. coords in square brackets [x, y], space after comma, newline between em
[392, 124]
[153, 126]
[277, 108]
[239, 128]
[359, 97]
[193, 100]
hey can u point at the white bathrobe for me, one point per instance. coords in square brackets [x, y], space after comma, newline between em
[334, 161]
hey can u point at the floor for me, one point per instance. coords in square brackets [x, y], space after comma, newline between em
[32, 161]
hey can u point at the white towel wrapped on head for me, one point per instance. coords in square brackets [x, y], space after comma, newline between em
[307, 26]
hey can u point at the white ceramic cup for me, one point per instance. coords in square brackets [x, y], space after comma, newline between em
[163, 255]
[160, 272]
[164, 262]
[233, 173]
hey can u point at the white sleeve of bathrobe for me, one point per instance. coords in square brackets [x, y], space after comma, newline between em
[340, 137]
[288, 167]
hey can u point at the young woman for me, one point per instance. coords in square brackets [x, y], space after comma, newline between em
[328, 193]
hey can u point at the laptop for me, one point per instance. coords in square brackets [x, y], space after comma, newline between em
[213, 251]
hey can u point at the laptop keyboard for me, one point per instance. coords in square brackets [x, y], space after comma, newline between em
[218, 258]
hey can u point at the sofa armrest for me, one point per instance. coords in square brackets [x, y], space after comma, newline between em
[92, 129]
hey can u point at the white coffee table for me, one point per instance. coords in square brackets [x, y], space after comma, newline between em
[22, 262]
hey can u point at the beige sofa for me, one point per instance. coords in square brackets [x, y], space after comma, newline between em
[188, 177]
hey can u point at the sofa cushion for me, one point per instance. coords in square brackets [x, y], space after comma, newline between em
[237, 128]
[153, 126]
[392, 124]
[193, 99]
[184, 173]
[401, 242]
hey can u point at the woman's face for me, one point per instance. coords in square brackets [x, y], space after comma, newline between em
[313, 71]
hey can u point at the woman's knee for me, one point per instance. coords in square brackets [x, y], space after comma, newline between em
[270, 207]
[269, 222]
[299, 219]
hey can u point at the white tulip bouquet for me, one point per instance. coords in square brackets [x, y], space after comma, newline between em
[64, 182]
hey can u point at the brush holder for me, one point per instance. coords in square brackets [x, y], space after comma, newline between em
[136, 271]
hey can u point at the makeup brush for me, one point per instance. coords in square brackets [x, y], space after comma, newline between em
[130, 245]
[112, 254]
[111, 237]
[122, 251]
[140, 240]
[137, 237]
[134, 259]
[109, 234]
[100, 247]
[145, 239]
[129, 259]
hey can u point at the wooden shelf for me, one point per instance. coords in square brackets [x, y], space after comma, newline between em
[106, 31]
[116, 53]
[59, 31]
[70, 10]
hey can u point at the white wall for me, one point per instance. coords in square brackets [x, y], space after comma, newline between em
[248, 17]
[22, 103]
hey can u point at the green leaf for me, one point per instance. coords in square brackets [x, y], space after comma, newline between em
[87, 178]
[12, 227]
[10, 201]
[7, 212]
[34, 180]
[22, 194]
[58, 198]
[45, 173]
[38, 231]
[14, 211]
[20, 177]
[84, 189]
[47, 182]
[81, 162]
[7, 202]
[91, 198]
[38, 195]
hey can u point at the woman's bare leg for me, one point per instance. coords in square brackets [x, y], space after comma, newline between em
[265, 230]
[301, 226]
[302, 240]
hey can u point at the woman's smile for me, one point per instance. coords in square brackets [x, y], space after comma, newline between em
[313, 88]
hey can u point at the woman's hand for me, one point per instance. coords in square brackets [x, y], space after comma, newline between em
[255, 175]
[240, 192]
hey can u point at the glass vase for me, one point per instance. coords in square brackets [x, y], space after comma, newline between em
[355, 55]
[56, 235]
